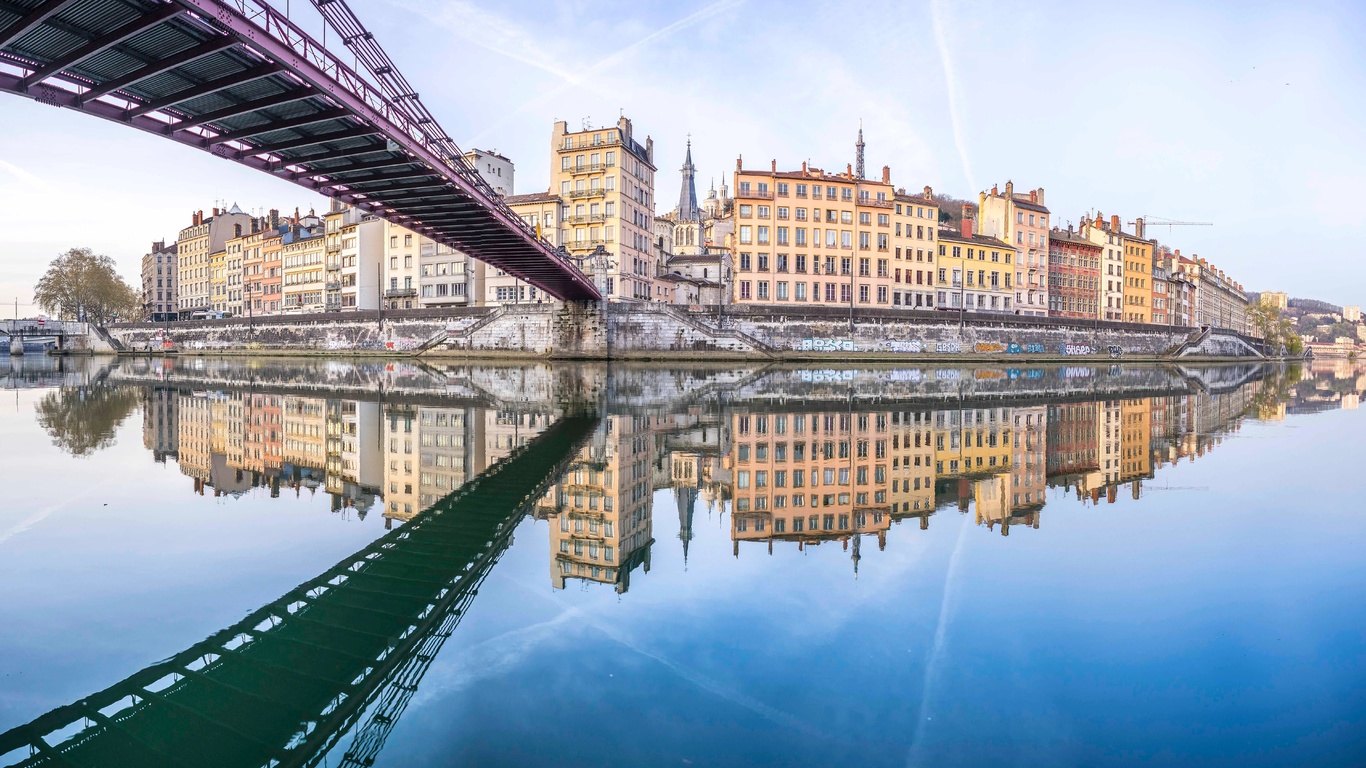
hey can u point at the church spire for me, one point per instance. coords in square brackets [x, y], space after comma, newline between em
[687, 196]
[858, 152]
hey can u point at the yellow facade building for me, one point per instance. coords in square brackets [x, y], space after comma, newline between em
[1138, 278]
[975, 273]
[606, 180]
[812, 237]
[1281, 300]
[218, 281]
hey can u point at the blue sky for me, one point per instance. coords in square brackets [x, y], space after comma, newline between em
[1248, 115]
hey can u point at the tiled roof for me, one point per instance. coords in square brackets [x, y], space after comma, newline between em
[956, 236]
[534, 197]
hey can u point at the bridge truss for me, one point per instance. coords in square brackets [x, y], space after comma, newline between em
[239, 79]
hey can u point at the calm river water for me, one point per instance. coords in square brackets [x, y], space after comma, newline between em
[234, 562]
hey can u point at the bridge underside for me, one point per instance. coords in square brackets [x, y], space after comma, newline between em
[241, 81]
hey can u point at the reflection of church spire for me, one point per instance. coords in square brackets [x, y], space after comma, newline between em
[686, 501]
[687, 196]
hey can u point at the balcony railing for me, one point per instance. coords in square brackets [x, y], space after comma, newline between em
[592, 218]
[590, 168]
[585, 245]
[333, 285]
[875, 203]
[333, 267]
[754, 195]
[607, 141]
[582, 193]
[398, 293]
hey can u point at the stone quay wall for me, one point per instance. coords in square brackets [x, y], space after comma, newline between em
[642, 331]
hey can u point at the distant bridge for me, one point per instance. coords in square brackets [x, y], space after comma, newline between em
[285, 684]
[13, 333]
[240, 80]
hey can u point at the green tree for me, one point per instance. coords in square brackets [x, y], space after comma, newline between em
[1276, 330]
[82, 285]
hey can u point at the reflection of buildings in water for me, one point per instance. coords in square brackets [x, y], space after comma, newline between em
[599, 513]
[1108, 428]
[303, 448]
[695, 477]
[912, 469]
[195, 434]
[1135, 442]
[355, 454]
[1072, 443]
[161, 423]
[448, 445]
[401, 435]
[971, 442]
[1028, 465]
[809, 477]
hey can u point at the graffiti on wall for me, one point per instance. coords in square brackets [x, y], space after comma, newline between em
[913, 347]
[988, 347]
[827, 345]
[949, 347]
[1076, 349]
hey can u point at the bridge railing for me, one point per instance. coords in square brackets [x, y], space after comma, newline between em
[413, 121]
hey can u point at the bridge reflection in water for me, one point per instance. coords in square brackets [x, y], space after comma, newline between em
[283, 685]
[795, 457]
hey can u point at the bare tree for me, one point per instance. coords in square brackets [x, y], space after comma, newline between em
[80, 285]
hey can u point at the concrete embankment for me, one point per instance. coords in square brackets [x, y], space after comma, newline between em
[660, 332]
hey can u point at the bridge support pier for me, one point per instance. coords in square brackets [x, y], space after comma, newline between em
[16, 345]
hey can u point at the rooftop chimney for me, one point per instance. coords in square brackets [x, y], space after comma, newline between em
[215, 210]
[994, 191]
[1100, 222]
[1114, 223]
[929, 193]
[967, 220]
[849, 170]
[886, 174]
[1039, 192]
[803, 166]
[774, 166]
[739, 163]
[1033, 196]
[1010, 190]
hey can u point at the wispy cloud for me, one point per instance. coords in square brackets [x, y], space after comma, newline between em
[588, 78]
[948, 605]
[494, 33]
[21, 174]
[937, 17]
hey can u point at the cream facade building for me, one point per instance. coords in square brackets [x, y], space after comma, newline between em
[194, 248]
[160, 269]
[1100, 232]
[1022, 221]
[361, 262]
[606, 180]
[303, 268]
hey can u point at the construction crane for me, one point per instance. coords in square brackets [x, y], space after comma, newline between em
[1145, 221]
